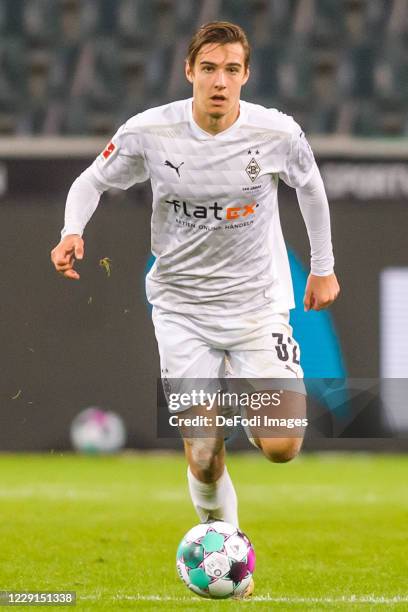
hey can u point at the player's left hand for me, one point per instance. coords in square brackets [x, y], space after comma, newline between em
[321, 291]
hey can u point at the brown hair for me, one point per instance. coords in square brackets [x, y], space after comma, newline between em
[221, 32]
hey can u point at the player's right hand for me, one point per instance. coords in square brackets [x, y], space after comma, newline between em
[63, 256]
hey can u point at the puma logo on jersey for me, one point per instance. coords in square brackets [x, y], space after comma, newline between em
[176, 168]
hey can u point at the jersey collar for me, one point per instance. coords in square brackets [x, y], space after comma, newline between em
[203, 135]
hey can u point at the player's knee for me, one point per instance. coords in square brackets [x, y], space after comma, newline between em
[205, 458]
[281, 450]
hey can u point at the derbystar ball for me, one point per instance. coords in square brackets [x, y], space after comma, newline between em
[97, 431]
[216, 560]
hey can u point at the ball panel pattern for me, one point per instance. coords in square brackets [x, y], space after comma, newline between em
[251, 559]
[221, 589]
[236, 547]
[216, 565]
[193, 554]
[223, 527]
[238, 571]
[212, 541]
[243, 585]
[199, 578]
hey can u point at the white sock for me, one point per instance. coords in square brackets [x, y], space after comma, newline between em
[214, 500]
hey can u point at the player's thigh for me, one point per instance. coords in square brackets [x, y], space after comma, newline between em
[184, 353]
[282, 425]
[273, 376]
[190, 366]
[275, 420]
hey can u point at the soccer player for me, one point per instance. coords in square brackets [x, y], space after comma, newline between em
[221, 284]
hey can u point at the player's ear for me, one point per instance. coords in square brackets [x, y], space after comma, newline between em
[189, 72]
[246, 76]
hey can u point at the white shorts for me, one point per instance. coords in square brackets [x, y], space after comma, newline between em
[256, 346]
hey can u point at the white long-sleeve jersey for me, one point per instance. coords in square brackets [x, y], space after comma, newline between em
[215, 228]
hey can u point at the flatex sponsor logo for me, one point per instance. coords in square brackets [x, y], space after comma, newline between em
[214, 211]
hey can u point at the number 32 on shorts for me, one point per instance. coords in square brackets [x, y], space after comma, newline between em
[286, 350]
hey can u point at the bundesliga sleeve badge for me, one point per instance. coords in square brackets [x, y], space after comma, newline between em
[109, 149]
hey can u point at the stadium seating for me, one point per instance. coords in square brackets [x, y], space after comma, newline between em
[71, 67]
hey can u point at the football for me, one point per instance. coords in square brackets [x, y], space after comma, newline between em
[97, 431]
[216, 560]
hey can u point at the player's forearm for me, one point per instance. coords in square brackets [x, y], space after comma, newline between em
[315, 211]
[82, 200]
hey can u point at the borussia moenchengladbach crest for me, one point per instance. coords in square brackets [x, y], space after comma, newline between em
[253, 169]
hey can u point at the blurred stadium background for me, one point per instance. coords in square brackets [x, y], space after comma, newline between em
[71, 67]
[70, 73]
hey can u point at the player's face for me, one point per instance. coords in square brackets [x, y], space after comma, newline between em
[217, 77]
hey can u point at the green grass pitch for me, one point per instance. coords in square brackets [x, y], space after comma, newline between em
[330, 531]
